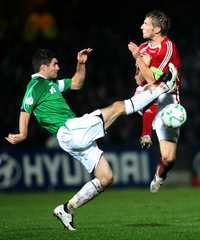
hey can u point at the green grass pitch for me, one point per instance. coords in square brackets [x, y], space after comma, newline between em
[171, 214]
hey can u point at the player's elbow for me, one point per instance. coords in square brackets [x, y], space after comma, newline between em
[23, 135]
[77, 83]
[23, 138]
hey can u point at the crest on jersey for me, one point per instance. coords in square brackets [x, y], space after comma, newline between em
[52, 90]
[29, 101]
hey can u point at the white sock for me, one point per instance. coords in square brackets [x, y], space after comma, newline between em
[137, 102]
[87, 192]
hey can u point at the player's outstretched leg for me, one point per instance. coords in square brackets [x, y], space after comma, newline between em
[137, 102]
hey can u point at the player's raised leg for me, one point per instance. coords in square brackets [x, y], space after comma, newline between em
[137, 102]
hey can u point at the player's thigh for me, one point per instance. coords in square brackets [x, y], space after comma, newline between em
[168, 150]
[103, 170]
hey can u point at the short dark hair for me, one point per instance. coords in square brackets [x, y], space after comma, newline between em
[160, 19]
[42, 56]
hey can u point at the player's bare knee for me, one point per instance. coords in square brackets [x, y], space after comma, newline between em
[106, 180]
[118, 106]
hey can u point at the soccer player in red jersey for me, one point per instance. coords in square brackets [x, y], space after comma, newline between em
[160, 51]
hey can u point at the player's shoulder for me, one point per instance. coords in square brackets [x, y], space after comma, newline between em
[169, 45]
[37, 82]
[168, 42]
[39, 79]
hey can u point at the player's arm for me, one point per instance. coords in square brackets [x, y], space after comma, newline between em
[30, 100]
[164, 59]
[79, 76]
[146, 72]
[24, 120]
[140, 80]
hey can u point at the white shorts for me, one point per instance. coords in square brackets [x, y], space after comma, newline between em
[78, 138]
[163, 132]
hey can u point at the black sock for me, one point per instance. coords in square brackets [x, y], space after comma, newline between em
[65, 207]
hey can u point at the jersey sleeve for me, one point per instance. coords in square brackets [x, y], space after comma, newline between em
[32, 95]
[159, 65]
[64, 84]
[165, 55]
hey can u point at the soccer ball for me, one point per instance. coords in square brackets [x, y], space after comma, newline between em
[174, 115]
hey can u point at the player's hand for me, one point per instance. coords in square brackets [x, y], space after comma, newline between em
[83, 55]
[134, 49]
[15, 138]
[146, 142]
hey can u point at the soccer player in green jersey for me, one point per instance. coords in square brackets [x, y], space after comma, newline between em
[76, 135]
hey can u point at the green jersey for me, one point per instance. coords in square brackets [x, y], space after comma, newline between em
[43, 97]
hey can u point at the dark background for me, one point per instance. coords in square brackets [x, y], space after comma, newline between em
[107, 27]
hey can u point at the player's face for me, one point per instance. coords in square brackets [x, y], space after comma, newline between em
[53, 68]
[148, 29]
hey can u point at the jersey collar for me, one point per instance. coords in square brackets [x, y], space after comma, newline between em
[38, 75]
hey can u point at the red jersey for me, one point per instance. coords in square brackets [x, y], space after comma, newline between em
[160, 57]
[162, 54]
